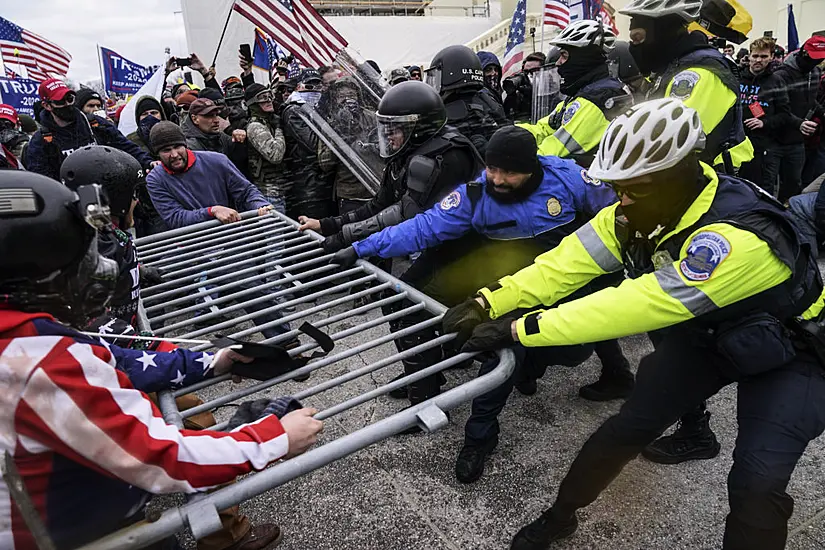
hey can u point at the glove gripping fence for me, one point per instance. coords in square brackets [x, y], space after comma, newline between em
[304, 272]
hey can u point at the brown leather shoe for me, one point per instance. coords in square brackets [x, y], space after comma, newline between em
[261, 537]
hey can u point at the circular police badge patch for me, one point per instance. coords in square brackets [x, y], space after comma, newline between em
[451, 201]
[553, 206]
[590, 179]
[683, 84]
[570, 111]
[704, 254]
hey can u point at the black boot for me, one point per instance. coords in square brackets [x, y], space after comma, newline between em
[470, 462]
[692, 440]
[539, 534]
[403, 392]
[615, 382]
[528, 386]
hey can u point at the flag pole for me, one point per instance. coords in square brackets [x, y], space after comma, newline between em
[541, 39]
[100, 66]
[226, 24]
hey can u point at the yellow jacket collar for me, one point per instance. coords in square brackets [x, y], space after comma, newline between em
[700, 206]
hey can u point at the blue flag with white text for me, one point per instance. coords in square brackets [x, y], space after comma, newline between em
[121, 75]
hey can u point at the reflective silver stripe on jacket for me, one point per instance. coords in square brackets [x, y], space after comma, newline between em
[696, 301]
[569, 141]
[594, 245]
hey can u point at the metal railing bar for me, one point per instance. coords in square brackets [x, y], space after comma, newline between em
[310, 367]
[219, 245]
[286, 291]
[196, 260]
[278, 282]
[281, 281]
[255, 301]
[298, 314]
[231, 229]
[283, 248]
[210, 226]
[291, 334]
[230, 276]
[216, 266]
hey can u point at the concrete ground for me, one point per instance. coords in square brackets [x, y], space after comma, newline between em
[402, 494]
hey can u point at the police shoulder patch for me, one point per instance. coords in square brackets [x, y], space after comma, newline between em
[683, 84]
[570, 111]
[553, 206]
[451, 201]
[590, 179]
[705, 252]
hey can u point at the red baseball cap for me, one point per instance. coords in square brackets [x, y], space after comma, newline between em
[8, 112]
[815, 47]
[53, 89]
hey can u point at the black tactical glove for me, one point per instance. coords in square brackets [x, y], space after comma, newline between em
[345, 258]
[491, 336]
[334, 243]
[462, 319]
[149, 276]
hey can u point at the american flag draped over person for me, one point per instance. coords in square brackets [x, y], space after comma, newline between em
[556, 13]
[514, 53]
[43, 59]
[299, 28]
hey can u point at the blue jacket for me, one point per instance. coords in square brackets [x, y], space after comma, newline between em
[52, 144]
[210, 179]
[565, 195]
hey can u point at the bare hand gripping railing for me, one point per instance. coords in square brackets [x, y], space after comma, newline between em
[220, 276]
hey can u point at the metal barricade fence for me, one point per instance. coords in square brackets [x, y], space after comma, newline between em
[218, 278]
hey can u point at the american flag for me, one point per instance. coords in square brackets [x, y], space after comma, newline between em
[556, 13]
[298, 27]
[514, 53]
[41, 57]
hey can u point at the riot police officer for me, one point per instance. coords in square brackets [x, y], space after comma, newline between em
[575, 127]
[688, 68]
[456, 74]
[427, 159]
[719, 270]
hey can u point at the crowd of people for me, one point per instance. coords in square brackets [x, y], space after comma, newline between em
[608, 188]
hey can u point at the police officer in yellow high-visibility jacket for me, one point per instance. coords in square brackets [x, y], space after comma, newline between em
[574, 128]
[719, 271]
[683, 65]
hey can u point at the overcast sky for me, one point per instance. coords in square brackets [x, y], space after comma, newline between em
[139, 30]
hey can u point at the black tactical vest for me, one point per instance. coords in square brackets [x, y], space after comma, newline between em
[741, 204]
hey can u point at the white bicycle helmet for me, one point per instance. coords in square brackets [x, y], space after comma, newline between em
[686, 9]
[584, 33]
[651, 137]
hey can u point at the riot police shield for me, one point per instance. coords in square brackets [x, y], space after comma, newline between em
[344, 119]
[546, 91]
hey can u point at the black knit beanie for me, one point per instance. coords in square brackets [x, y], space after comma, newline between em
[513, 149]
[164, 134]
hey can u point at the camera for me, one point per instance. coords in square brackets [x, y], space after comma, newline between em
[517, 82]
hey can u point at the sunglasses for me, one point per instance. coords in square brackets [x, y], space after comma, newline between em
[67, 100]
[635, 192]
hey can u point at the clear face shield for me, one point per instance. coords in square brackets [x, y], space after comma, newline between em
[546, 91]
[394, 132]
[433, 78]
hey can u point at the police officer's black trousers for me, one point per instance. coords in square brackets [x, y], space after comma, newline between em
[530, 363]
[778, 412]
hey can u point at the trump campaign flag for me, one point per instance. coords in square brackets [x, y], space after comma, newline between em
[20, 93]
[121, 75]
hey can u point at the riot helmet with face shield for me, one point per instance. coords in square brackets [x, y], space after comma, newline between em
[408, 115]
[454, 68]
[49, 261]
